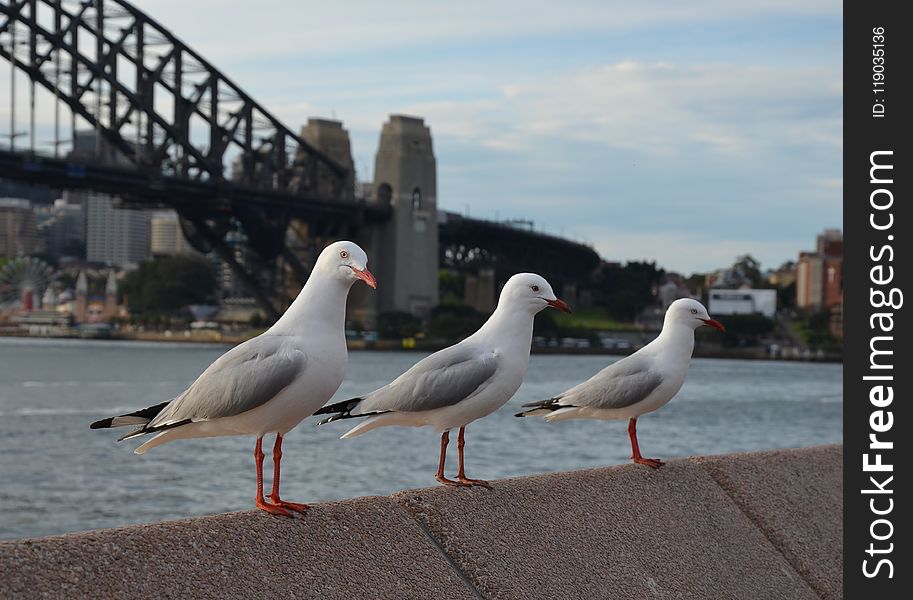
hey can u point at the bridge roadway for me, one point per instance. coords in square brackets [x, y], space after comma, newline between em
[465, 243]
[152, 188]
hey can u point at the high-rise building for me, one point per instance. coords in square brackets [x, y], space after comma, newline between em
[18, 229]
[115, 236]
[63, 226]
[819, 275]
[166, 236]
[829, 243]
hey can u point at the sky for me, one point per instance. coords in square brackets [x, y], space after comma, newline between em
[685, 133]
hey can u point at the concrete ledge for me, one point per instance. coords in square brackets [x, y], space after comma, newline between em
[347, 550]
[754, 525]
[793, 498]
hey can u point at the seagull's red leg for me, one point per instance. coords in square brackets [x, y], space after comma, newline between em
[654, 463]
[274, 495]
[445, 439]
[461, 475]
[261, 503]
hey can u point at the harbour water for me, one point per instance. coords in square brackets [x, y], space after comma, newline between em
[57, 475]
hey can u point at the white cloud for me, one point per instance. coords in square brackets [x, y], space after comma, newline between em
[313, 29]
[686, 252]
[653, 108]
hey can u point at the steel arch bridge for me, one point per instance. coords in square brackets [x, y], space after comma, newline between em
[181, 125]
[158, 102]
[179, 133]
[467, 244]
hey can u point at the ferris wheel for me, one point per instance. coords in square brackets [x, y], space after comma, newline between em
[21, 274]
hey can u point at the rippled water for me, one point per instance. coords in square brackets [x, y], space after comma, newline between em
[57, 475]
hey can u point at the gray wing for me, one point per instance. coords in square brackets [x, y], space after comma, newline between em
[442, 379]
[242, 379]
[619, 385]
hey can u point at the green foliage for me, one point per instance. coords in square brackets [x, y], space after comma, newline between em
[555, 325]
[66, 279]
[625, 291]
[546, 325]
[742, 330]
[786, 296]
[394, 325]
[750, 268]
[167, 284]
[452, 323]
[451, 286]
[593, 319]
[815, 331]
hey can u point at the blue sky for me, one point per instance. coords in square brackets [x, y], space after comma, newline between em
[685, 133]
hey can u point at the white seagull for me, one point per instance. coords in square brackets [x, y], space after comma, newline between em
[467, 381]
[269, 383]
[637, 384]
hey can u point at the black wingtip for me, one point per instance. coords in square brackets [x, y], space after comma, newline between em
[339, 407]
[146, 414]
[328, 420]
[550, 404]
[542, 403]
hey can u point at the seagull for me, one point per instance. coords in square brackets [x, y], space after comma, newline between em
[637, 384]
[467, 381]
[271, 382]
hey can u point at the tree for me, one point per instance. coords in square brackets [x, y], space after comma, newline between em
[786, 296]
[742, 330]
[451, 286]
[749, 268]
[454, 322]
[625, 291]
[167, 284]
[396, 324]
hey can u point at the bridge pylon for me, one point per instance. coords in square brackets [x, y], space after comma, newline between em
[405, 248]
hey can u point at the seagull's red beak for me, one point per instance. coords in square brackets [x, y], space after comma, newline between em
[559, 304]
[366, 277]
[714, 323]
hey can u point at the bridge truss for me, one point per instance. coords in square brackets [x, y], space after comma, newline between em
[198, 141]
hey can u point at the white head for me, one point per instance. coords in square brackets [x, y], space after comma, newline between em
[345, 261]
[530, 291]
[691, 313]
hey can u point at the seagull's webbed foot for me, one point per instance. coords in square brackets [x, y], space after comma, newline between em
[295, 506]
[653, 463]
[478, 482]
[446, 481]
[272, 508]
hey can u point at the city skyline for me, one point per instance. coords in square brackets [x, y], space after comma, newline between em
[684, 135]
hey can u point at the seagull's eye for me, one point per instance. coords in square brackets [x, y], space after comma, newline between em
[343, 254]
[535, 288]
[693, 311]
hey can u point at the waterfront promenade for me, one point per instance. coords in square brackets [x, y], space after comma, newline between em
[751, 525]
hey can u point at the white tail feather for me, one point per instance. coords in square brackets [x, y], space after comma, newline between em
[384, 419]
[570, 412]
[159, 439]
